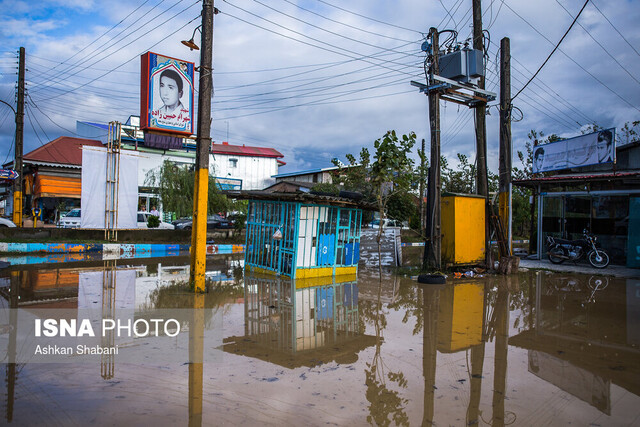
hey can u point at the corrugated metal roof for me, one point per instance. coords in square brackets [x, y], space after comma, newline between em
[300, 197]
[575, 178]
[243, 150]
[65, 150]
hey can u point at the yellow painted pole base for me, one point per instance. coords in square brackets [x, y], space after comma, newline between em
[17, 208]
[199, 230]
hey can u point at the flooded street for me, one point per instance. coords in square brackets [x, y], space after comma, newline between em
[538, 348]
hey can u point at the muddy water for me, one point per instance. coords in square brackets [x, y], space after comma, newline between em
[534, 349]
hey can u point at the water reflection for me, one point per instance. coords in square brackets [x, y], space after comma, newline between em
[584, 337]
[539, 348]
[302, 322]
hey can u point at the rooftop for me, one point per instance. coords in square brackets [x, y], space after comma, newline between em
[62, 151]
[243, 150]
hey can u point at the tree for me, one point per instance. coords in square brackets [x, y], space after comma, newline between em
[175, 184]
[628, 133]
[390, 173]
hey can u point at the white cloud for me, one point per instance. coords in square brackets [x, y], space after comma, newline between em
[261, 110]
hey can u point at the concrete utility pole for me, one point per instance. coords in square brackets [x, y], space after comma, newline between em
[504, 197]
[203, 144]
[432, 250]
[482, 184]
[17, 166]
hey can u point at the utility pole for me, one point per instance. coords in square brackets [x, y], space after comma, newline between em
[504, 197]
[17, 166]
[203, 148]
[432, 250]
[482, 184]
[421, 190]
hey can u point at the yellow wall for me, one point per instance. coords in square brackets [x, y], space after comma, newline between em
[460, 316]
[462, 225]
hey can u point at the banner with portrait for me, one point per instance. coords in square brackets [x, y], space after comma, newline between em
[590, 149]
[166, 94]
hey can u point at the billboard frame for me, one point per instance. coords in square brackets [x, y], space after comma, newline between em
[150, 67]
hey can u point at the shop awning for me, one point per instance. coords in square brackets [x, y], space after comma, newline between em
[57, 186]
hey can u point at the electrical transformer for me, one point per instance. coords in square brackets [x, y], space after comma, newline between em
[462, 65]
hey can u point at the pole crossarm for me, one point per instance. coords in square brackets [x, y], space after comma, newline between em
[456, 92]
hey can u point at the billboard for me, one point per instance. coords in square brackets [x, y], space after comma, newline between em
[590, 149]
[166, 94]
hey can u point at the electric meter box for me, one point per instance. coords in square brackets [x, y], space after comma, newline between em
[462, 65]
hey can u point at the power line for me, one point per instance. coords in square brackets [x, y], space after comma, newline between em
[342, 23]
[369, 18]
[126, 62]
[105, 33]
[615, 28]
[599, 44]
[320, 28]
[573, 60]
[132, 32]
[339, 51]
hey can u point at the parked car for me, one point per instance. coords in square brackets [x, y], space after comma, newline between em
[388, 223]
[214, 222]
[143, 219]
[71, 220]
[181, 220]
[4, 222]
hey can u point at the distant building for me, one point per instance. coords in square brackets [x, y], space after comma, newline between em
[51, 176]
[236, 167]
[320, 175]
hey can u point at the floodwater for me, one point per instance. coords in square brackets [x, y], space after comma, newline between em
[537, 348]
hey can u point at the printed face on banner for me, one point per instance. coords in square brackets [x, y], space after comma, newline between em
[591, 149]
[169, 105]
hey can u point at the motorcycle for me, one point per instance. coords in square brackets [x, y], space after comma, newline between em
[560, 250]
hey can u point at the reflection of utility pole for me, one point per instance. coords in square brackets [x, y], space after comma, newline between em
[196, 352]
[477, 367]
[430, 306]
[107, 361]
[501, 310]
[203, 144]
[11, 373]
[432, 253]
[17, 183]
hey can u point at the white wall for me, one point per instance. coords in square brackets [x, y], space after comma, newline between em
[255, 172]
[149, 161]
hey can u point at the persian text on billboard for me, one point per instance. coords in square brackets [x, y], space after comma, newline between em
[591, 149]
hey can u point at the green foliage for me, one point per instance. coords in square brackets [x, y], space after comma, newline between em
[326, 188]
[390, 174]
[402, 207]
[461, 180]
[241, 218]
[175, 186]
[153, 221]
[628, 133]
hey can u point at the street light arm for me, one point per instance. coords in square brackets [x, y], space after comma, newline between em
[10, 106]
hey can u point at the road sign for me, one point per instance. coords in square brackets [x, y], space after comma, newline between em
[8, 174]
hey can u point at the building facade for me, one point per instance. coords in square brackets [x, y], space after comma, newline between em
[603, 199]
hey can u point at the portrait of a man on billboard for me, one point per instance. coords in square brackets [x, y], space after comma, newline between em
[166, 94]
[584, 150]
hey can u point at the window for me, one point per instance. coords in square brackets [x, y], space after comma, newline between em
[233, 163]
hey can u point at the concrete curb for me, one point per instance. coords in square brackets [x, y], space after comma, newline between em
[111, 248]
[40, 253]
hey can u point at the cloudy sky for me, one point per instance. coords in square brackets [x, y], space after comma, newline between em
[317, 79]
